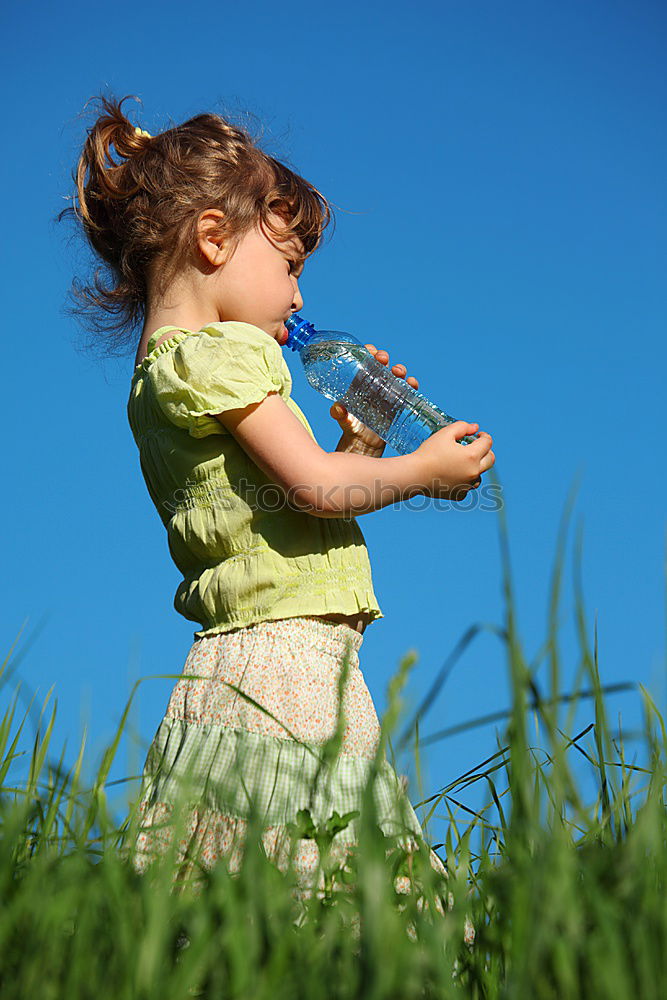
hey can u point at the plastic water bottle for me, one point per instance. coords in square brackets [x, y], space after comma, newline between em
[342, 369]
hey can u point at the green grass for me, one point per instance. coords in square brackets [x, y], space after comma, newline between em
[566, 894]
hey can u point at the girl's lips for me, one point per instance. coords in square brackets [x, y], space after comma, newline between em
[284, 336]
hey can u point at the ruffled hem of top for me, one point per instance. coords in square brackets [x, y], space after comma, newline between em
[303, 611]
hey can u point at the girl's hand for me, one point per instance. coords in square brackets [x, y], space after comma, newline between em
[358, 437]
[449, 470]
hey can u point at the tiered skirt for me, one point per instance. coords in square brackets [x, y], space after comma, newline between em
[216, 737]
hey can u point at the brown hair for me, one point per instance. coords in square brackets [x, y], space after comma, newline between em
[142, 211]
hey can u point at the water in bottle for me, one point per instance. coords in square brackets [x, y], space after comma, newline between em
[342, 369]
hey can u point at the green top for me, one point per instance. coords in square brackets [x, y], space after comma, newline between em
[244, 556]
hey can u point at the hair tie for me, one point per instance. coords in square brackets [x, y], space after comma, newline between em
[141, 131]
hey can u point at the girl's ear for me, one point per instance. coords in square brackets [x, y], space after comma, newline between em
[209, 242]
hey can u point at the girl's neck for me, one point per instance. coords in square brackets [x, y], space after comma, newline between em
[188, 303]
[188, 319]
[156, 319]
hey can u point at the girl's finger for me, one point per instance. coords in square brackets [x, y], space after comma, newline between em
[401, 373]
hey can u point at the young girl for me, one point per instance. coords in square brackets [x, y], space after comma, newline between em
[205, 237]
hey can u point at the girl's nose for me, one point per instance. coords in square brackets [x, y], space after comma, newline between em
[297, 301]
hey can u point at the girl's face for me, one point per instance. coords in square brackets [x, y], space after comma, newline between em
[258, 284]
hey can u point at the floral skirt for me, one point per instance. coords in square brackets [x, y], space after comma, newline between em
[216, 733]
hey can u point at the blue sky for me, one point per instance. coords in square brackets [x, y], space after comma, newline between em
[497, 172]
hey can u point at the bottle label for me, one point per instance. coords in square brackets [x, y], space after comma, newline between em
[377, 410]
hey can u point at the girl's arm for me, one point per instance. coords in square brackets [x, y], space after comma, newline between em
[342, 484]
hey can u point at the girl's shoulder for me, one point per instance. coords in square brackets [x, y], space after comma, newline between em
[243, 333]
[193, 376]
[226, 340]
[251, 345]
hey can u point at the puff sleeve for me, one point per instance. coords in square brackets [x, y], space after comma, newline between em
[225, 366]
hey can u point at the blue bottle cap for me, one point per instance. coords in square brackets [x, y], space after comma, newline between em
[299, 332]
